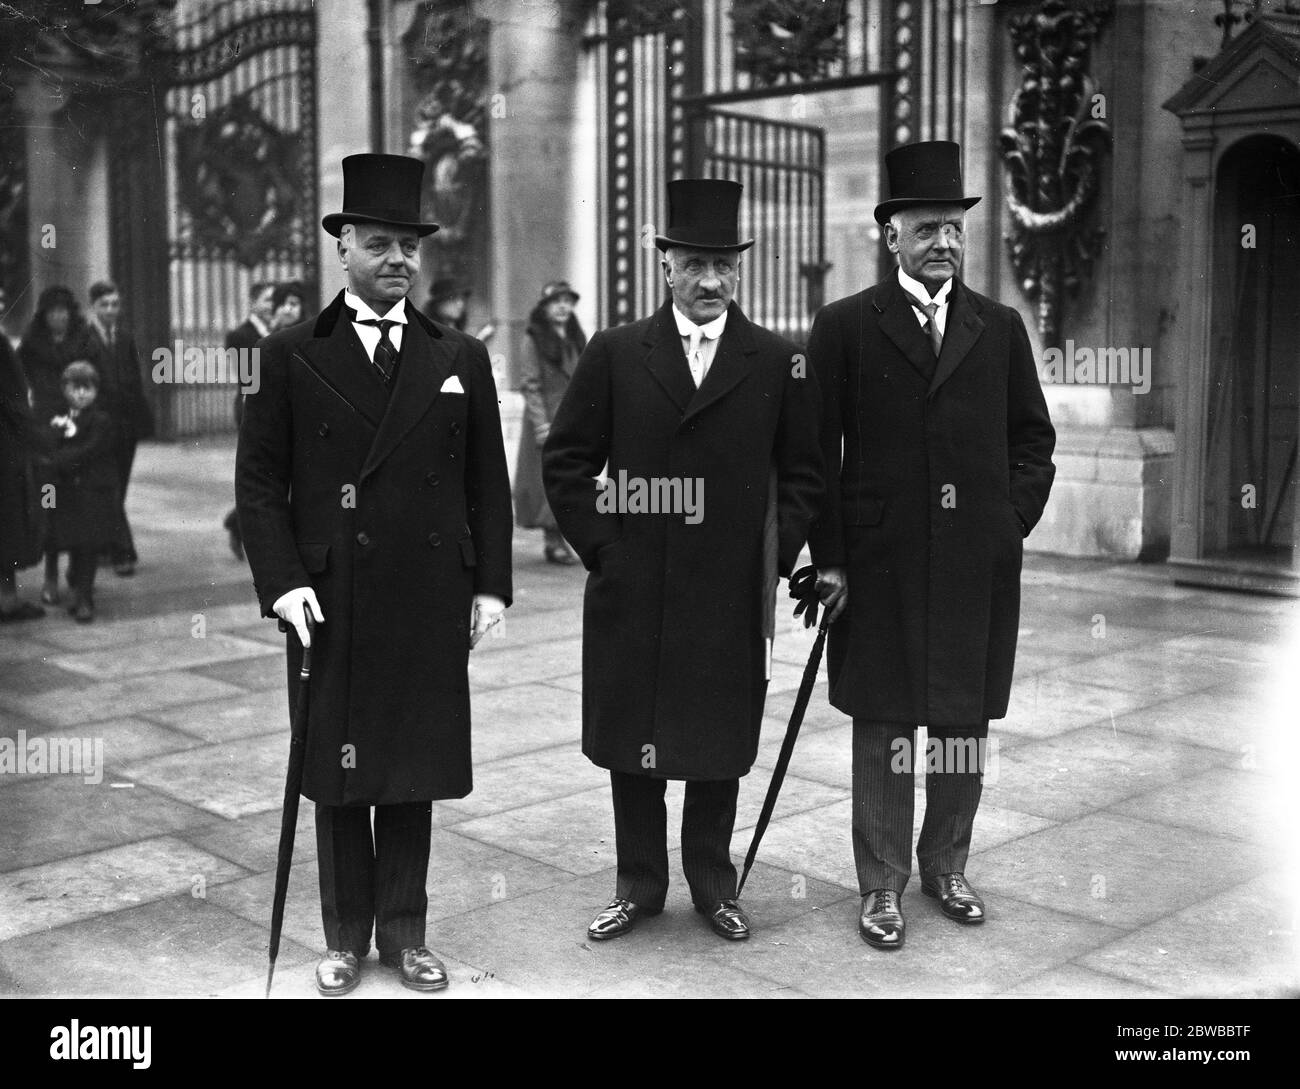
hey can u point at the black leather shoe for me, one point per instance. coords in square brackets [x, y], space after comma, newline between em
[727, 918]
[957, 899]
[418, 968]
[881, 920]
[338, 973]
[617, 919]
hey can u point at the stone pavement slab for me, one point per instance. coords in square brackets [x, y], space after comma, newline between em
[1242, 941]
[86, 885]
[1137, 838]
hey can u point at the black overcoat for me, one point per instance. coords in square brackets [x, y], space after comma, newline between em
[674, 656]
[396, 510]
[935, 473]
[22, 518]
[121, 387]
[87, 494]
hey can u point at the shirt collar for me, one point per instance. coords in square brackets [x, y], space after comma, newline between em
[712, 330]
[920, 292]
[397, 313]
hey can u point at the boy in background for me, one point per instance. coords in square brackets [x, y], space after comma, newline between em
[84, 515]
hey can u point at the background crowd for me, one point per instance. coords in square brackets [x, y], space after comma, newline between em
[73, 409]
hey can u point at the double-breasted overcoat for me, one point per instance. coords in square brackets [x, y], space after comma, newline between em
[395, 507]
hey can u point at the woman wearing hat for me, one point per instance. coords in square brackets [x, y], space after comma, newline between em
[448, 303]
[552, 343]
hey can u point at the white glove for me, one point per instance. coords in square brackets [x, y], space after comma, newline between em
[488, 611]
[290, 608]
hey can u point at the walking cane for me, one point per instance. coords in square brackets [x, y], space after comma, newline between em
[803, 588]
[292, 790]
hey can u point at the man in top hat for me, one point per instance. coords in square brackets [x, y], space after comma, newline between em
[939, 461]
[374, 497]
[708, 425]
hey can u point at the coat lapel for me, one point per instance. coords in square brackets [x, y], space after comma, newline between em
[426, 361]
[729, 367]
[666, 360]
[899, 322]
[337, 357]
[961, 331]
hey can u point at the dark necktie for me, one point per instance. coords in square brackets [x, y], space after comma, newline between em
[930, 309]
[385, 357]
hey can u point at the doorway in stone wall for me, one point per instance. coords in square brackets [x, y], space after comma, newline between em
[1253, 410]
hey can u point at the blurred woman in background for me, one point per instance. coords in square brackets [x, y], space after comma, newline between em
[552, 343]
[287, 302]
[56, 336]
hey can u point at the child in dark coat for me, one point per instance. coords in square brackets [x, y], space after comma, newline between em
[84, 513]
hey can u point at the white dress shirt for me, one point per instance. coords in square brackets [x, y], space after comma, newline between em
[921, 294]
[699, 342]
[369, 334]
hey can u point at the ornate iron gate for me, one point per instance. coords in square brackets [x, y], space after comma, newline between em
[240, 185]
[781, 164]
[675, 75]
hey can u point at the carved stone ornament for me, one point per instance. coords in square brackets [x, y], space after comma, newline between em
[448, 59]
[1052, 153]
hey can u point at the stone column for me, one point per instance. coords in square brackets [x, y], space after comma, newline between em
[1193, 389]
[342, 114]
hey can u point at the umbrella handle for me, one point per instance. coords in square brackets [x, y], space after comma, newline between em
[304, 670]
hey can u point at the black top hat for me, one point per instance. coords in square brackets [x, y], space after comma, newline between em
[703, 214]
[924, 173]
[381, 189]
[447, 287]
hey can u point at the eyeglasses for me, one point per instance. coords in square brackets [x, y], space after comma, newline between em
[926, 232]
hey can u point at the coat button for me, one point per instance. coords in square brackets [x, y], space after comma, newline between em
[432, 480]
[363, 539]
[323, 430]
[455, 429]
[434, 540]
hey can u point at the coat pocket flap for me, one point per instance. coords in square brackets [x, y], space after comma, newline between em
[314, 556]
[867, 511]
[467, 553]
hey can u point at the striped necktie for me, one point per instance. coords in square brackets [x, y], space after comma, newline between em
[385, 357]
[930, 309]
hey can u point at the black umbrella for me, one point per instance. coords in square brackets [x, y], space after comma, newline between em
[802, 587]
[292, 789]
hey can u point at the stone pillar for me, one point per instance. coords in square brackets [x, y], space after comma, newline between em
[543, 167]
[342, 115]
[1113, 491]
[1194, 347]
[542, 171]
[67, 196]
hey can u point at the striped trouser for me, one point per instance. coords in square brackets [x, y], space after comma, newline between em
[377, 882]
[883, 803]
[641, 836]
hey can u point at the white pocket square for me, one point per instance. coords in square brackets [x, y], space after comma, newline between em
[452, 385]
